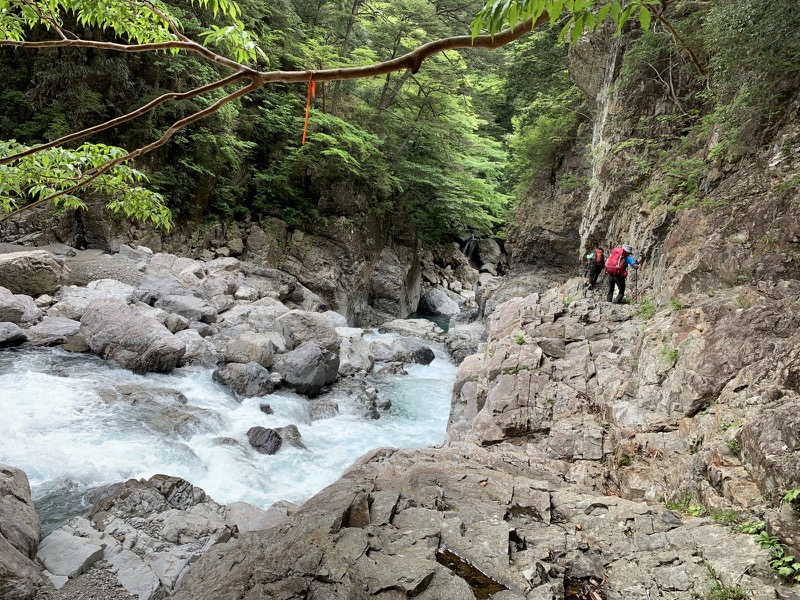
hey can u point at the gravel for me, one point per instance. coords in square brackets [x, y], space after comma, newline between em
[98, 583]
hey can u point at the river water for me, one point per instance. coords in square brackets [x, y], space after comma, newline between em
[59, 426]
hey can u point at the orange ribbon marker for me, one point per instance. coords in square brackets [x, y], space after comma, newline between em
[312, 93]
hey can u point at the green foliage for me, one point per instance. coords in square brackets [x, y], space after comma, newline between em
[519, 338]
[755, 63]
[669, 355]
[792, 497]
[784, 564]
[585, 14]
[734, 446]
[720, 591]
[45, 175]
[646, 307]
[751, 527]
[724, 517]
[675, 304]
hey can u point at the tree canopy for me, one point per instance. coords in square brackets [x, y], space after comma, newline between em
[222, 52]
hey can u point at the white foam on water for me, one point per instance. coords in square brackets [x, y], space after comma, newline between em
[58, 428]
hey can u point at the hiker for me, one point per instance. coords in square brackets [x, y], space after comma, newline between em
[596, 260]
[617, 269]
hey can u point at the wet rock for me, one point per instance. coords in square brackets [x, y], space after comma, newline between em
[247, 380]
[266, 441]
[308, 368]
[403, 350]
[290, 436]
[199, 351]
[11, 335]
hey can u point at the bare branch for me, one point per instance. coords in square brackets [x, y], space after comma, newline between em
[410, 61]
[127, 117]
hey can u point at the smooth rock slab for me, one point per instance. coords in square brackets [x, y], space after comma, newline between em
[64, 554]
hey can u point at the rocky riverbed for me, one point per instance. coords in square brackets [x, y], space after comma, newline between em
[593, 451]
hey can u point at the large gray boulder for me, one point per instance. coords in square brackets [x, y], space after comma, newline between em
[116, 331]
[33, 273]
[194, 309]
[53, 331]
[308, 368]
[11, 335]
[18, 308]
[299, 326]
[421, 328]
[72, 301]
[403, 350]
[19, 536]
[251, 347]
[153, 287]
[248, 379]
[436, 302]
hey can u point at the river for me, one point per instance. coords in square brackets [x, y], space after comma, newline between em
[65, 426]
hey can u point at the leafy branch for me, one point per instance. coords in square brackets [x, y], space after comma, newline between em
[149, 26]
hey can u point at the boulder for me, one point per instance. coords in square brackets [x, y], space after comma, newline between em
[18, 308]
[355, 356]
[403, 350]
[300, 326]
[116, 331]
[308, 368]
[190, 307]
[199, 351]
[11, 335]
[486, 251]
[154, 287]
[421, 328]
[290, 435]
[65, 554]
[251, 347]
[19, 524]
[71, 301]
[20, 577]
[436, 302]
[53, 331]
[246, 517]
[248, 380]
[32, 273]
[266, 441]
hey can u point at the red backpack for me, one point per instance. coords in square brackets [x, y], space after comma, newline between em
[616, 263]
[599, 257]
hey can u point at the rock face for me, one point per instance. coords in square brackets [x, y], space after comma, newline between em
[117, 332]
[413, 524]
[32, 273]
[20, 577]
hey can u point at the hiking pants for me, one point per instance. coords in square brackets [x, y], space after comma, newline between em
[594, 273]
[619, 281]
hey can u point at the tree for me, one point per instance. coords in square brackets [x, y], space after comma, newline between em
[57, 171]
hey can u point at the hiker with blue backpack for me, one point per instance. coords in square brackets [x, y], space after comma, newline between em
[617, 269]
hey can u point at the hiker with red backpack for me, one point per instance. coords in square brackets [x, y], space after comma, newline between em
[617, 269]
[597, 260]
